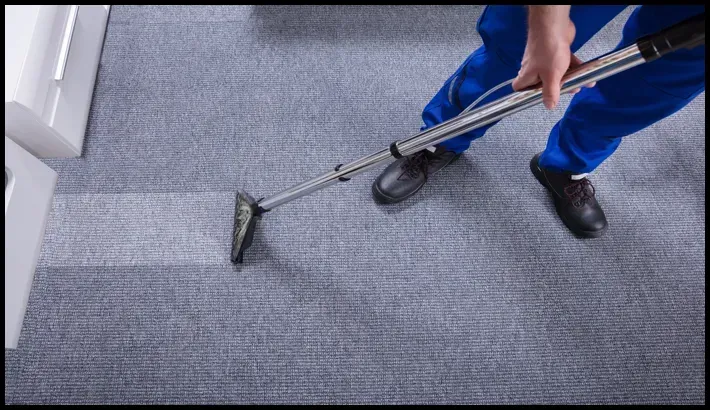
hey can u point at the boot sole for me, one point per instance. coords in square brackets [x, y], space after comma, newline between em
[381, 198]
[537, 172]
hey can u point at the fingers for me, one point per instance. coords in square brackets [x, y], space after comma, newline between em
[525, 79]
[575, 62]
[551, 81]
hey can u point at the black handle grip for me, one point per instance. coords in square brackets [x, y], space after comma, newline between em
[688, 34]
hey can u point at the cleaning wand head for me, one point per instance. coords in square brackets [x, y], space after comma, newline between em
[246, 214]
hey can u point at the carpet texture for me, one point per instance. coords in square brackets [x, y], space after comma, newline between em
[471, 292]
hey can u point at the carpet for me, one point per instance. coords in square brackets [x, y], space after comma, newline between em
[471, 292]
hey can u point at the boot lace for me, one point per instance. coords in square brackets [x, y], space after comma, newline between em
[579, 192]
[415, 165]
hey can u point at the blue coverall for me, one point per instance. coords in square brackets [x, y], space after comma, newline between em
[597, 118]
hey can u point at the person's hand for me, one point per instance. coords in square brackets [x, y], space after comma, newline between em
[547, 54]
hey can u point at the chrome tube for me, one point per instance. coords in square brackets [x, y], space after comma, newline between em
[591, 71]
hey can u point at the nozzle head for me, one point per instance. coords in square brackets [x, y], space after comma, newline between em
[246, 214]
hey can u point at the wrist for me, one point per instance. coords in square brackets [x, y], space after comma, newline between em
[548, 20]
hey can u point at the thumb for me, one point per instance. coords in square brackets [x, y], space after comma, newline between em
[551, 88]
[525, 79]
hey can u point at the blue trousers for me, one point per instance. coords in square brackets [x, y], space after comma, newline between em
[597, 118]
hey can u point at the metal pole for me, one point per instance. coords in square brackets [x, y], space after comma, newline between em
[591, 71]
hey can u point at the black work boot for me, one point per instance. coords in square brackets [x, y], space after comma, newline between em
[404, 177]
[574, 201]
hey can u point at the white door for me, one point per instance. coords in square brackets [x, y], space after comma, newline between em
[29, 189]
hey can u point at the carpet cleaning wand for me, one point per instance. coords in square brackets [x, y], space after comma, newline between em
[686, 34]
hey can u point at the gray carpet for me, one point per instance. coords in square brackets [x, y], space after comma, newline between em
[472, 292]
